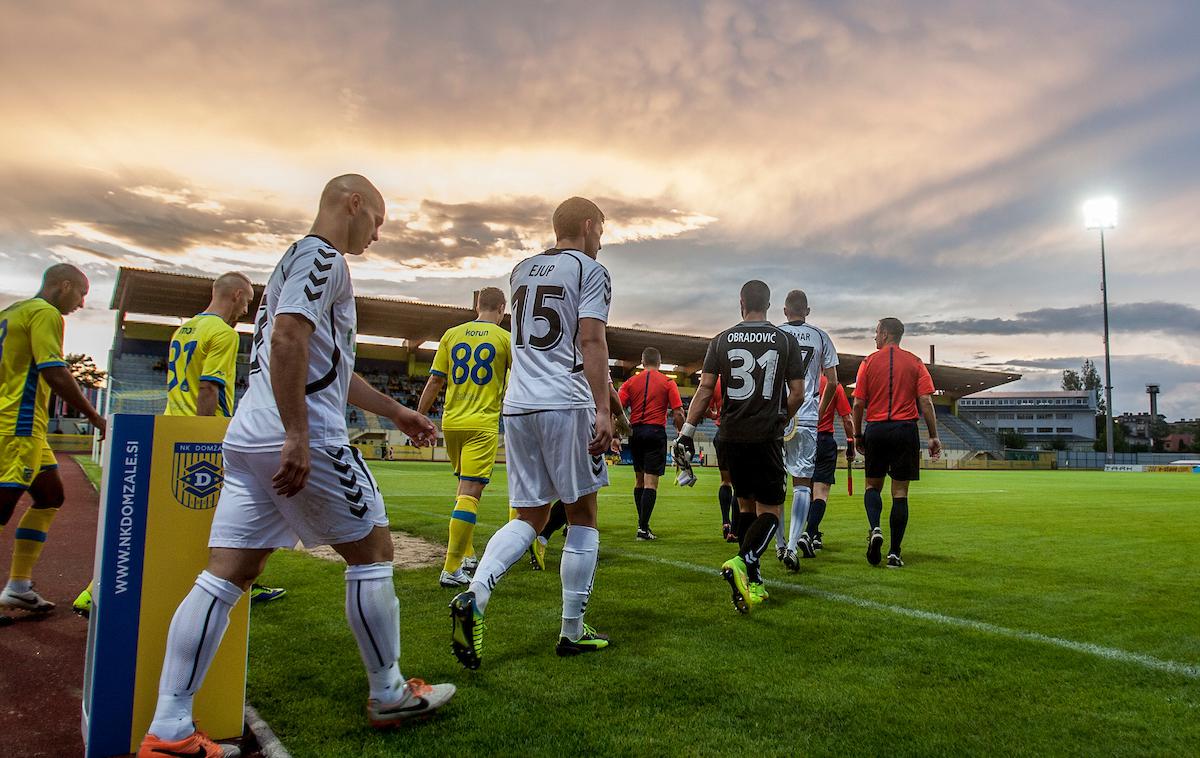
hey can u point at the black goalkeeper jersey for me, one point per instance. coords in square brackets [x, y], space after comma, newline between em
[755, 361]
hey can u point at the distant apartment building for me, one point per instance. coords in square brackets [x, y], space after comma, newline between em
[1138, 427]
[1040, 417]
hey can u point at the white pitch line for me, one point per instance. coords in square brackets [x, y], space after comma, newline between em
[269, 744]
[1100, 651]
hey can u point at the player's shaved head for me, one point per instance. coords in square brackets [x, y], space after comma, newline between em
[339, 189]
[571, 214]
[491, 299]
[892, 327]
[228, 284]
[651, 358]
[756, 296]
[63, 272]
[64, 286]
[351, 212]
[796, 302]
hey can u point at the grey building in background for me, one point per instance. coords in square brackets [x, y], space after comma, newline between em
[1041, 417]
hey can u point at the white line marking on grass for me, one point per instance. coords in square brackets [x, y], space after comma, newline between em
[269, 744]
[1100, 651]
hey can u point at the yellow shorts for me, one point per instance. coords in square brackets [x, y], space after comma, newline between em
[472, 453]
[22, 459]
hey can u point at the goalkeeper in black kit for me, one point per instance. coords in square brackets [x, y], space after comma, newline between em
[755, 362]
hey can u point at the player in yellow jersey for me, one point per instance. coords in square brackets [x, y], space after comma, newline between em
[31, 367]
[472, 362]
[202, 364]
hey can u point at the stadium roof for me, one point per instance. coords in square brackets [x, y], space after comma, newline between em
[164, 293]
[1033, 395]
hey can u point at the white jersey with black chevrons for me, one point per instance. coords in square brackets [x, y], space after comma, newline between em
[312, 280]
[550, 293]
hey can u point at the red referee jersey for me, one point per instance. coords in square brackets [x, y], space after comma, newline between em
[649, 396]
[840, 406]
[889, 381]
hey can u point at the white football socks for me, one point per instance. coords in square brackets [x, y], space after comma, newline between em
[801, 497]
[577, 570]
[196, 630]
[505, 548]
[374, 615]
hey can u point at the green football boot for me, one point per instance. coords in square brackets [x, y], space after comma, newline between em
[590, 642]
[734, 572]
[758, 593]
[466, 631]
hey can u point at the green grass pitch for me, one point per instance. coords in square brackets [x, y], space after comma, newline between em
[1039, 613]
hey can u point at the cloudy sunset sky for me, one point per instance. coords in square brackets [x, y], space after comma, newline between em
[921, 160]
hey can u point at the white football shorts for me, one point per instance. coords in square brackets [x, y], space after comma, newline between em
[546, 453]
[800, 451]
[340, 502]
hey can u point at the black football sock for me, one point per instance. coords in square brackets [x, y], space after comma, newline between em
[558, 519]
[815, 513]
[898, 521]
[874, 504]
[648, 498]
[758, 537]
[637, 501]
[742, 525]
[725, 498]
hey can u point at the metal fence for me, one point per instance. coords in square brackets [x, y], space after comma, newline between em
[1092, 460]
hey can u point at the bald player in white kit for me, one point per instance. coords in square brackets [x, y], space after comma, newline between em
[291, 473]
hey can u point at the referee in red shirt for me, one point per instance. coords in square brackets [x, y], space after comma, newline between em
[892, 384]
[649, 396]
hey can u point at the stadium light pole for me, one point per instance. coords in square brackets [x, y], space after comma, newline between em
[1099, 214]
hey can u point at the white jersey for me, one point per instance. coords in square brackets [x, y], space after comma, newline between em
[551, 292]
[312, 280]
[817, 353]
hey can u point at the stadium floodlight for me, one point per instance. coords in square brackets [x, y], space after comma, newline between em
[1100, 213]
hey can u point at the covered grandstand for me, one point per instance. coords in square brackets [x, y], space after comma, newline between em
[395, 349]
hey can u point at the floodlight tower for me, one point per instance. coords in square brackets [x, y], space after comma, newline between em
[1152, 390]
[1099, 214]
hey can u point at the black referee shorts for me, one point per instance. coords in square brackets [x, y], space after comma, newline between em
[648, 446]
[755, 469]
[825, 470]
[892, 448]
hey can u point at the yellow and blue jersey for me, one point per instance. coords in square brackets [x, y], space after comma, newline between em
[204, 349]
[475, 358]
[31, 337]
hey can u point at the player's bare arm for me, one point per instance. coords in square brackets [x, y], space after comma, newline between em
[848, 427]
[433, 389]
[859, 407]
[927, 411]
[289, 372]
[206, 398]
[593, 343]
[64, 385]
[697, 410]
[830, 391]
[414, 424]
[795, 397]
[621, 427]
[677, 419]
